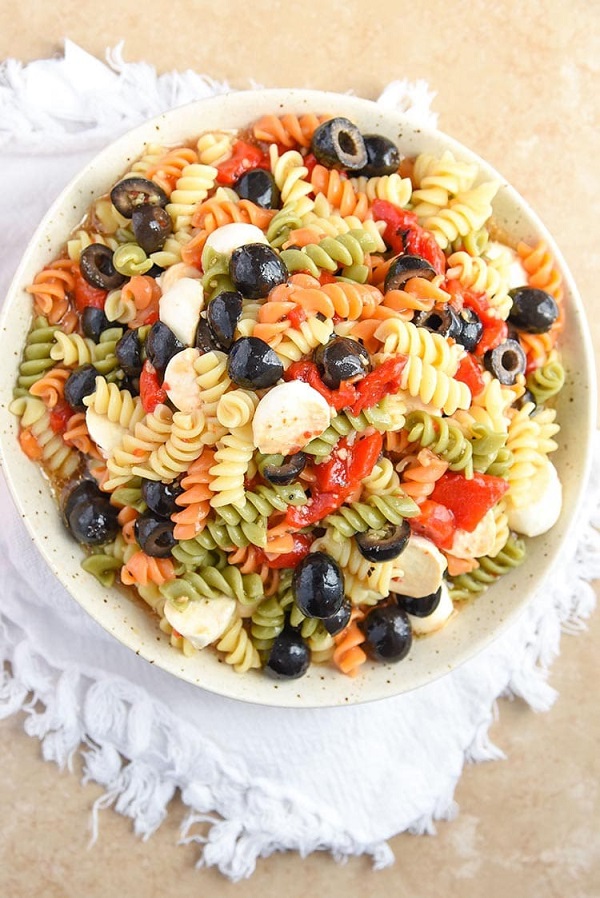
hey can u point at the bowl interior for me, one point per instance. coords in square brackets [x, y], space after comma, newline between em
[129, 620]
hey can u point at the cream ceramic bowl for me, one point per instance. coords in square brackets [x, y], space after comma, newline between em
[133, 623]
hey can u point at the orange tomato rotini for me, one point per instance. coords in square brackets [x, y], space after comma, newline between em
[195, 500]
[339, 192]
[51, 387]
[348, 656]
[288, 130]
[144, 569]
[166, 170]
[51, 289]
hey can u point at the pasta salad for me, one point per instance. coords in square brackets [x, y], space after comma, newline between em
[296, 390]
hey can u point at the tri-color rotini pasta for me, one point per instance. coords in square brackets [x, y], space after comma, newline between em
[292, 392]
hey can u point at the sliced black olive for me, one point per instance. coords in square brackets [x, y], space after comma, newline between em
[533, 311]
[252, 364]
[131, 193]
[318, 585]
[155, 271]
[205, 340]
[506, 362]
[383, 156]
[96, 264]
[338, 621]
[338, 143]
[405, 267]
[289, 656]
[281, 471]
[524, 399]
[471, 329]
[385, 544]
[151, 227]
[129, 353]
[83, 491]
[341, 359]
[223, 314]
[132, 384]
[422, 606]
[255, 269]
[259, 187]
[440, 320]
[161, 345]
[160, 497]
[155, 535]
[79, 384]
[93, 322]
[89, 515]
[388, 634]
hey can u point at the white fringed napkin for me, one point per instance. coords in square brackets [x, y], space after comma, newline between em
[264, 779]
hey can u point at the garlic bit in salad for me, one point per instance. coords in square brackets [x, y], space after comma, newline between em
[288, 417]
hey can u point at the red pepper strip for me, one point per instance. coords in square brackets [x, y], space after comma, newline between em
[470, 373]
[468, 500]
[244, 157]
[422, 243]
[296, 316]
[348, 464]
[365, 452]
[308, 373]
[320, 506]
[309, 161]
[60, 415]
[435, 522]
[302, 544]
[383, 380]
[151, 392]
[326, 277]
[333, 475]
[87, 296]
[404, 234]
[337, 479]
[398, 223]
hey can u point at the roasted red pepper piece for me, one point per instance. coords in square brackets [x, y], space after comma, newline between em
[333, 475]
[364, 454]
[337, 479]
[422, 243]
[435, 522]
[398, 223]
[151, 392]
[87, 296]
[404, 234]
[348, 464]
[468, 500]
[320, 506]
[308, 373]
[470, 373]
[296, 316]
[244, 157]
[60, 415]
[383, 380]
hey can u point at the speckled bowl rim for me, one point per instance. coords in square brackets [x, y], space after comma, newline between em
[130, 621]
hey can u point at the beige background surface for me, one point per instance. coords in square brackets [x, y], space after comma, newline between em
[519, 84]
